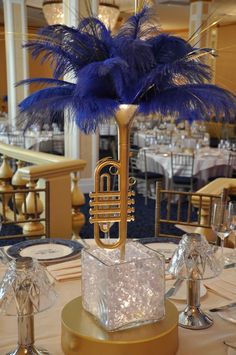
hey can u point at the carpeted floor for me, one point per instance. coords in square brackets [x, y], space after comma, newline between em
[10, 230]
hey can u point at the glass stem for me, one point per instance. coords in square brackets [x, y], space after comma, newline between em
[222, 242]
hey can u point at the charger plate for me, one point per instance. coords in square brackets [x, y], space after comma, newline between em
[46, 250]
[82, 335]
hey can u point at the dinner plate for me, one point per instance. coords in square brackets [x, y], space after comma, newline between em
[46, 250]
[181, 294]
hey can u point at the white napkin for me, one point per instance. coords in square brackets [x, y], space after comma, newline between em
[68, 270]
[224, 285]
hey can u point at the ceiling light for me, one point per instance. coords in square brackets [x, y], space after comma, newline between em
[108, 13]
[53, 11]
[174, 2]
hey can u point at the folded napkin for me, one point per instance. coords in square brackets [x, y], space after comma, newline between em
[224, 285]
[68, 270]
[71, 270]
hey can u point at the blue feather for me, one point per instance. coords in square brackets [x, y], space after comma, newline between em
[167, 49]
[43, 81]
[74, 52]
[142, 25]
[138, 65]
[191, 102]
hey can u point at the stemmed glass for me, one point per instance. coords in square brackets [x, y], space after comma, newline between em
[231, 256]
[221, 220]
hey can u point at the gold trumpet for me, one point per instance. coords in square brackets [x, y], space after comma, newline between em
[109, 205]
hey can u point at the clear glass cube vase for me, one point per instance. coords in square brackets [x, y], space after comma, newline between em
[123, 292]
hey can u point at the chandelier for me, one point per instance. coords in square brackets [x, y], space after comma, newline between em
[108, 12]
[53, 11]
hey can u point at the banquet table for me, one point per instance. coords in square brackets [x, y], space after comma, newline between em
[208, 162]
[179, 138]
[48, 326]
[32, 139]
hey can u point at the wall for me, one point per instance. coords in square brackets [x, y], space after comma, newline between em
[225, 67]
[36, 69]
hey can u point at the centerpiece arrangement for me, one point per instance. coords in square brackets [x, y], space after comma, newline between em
[137, 70]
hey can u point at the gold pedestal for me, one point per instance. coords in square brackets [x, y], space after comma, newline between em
[82, 335]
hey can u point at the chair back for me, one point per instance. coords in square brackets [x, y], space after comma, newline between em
[133, 169]
[182, 164]
[133, 139]
[231, 164]
[190, 211]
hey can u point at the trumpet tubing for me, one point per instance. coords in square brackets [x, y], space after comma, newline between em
[105, 201]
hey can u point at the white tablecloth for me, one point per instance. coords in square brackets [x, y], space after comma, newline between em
[208, 162]
[32, 140]
[48, 326]
[179, 138]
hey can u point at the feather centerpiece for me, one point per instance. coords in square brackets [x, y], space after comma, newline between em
[138, 65]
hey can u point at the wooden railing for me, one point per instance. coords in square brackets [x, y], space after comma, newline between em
[60, 205]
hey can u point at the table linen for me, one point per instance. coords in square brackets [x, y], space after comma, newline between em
[208, 162]
[48, 325]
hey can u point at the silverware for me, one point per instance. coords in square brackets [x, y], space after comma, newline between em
[173, 290]
[229, 266]
[222, 308]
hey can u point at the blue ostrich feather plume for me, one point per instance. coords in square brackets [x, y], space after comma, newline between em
[43, 81]
[141, 25]
[138, 65]
[53, 97]
[197, 101]
[68, 49]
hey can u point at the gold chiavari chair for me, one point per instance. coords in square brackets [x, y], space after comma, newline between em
[191, 212]
[231, 168]
[143, 178]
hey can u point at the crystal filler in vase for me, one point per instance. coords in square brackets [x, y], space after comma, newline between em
[123, 293]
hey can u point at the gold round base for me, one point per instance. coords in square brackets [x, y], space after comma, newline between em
[28, 350]
[82, 335]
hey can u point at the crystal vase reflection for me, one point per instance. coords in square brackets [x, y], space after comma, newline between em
[24, 291]
[195, 260]
[122, 293]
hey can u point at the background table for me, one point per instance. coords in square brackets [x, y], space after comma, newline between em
[208, 162]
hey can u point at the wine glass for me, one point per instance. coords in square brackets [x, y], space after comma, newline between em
[221, 220]
[231, 256]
